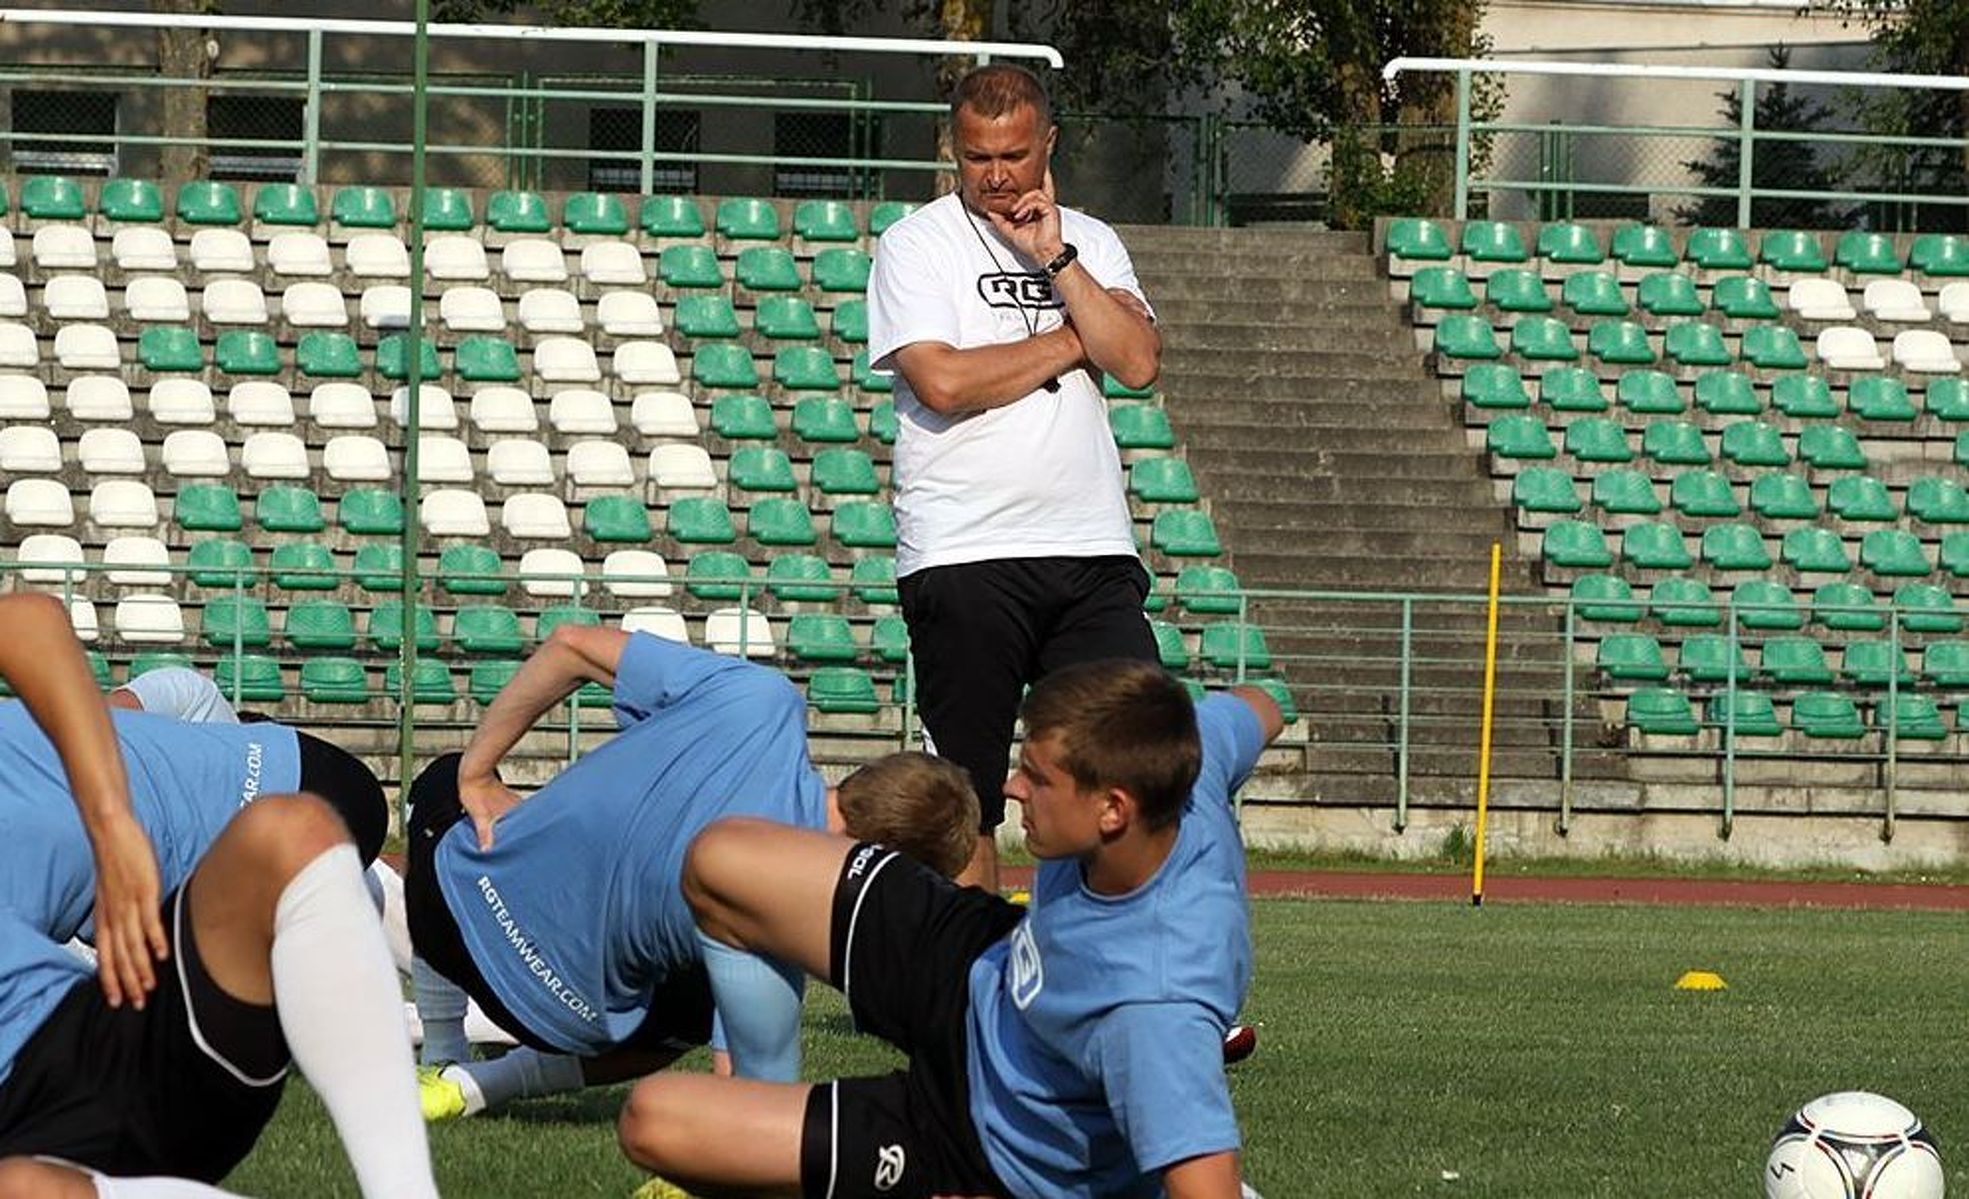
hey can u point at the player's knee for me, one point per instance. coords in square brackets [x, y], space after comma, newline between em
[25, 1178]
[286, 832]
[653, 1125]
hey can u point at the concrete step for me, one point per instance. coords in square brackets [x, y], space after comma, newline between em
[1267, 473]
[1287, 567]
[1341, 299]
[1341, 360]
[1145, 238]
[1277, 260]
[1322, 442]
[1181, 375]
[1175, 284]
[1312, 412]
[1283, 337]
[1288, 512]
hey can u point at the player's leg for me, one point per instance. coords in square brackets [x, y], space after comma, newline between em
[28, 1178]
[717, 1136]
[767, 888]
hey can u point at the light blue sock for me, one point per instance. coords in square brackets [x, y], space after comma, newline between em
[441, 1007]
[758, 1010]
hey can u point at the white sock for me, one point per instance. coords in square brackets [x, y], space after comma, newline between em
[152, 1188]
[342, 1013]
[386, 888]
[480, 1030]
[441, 1007]
[522, 1074]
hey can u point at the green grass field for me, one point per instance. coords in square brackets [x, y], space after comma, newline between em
[1432, 1049]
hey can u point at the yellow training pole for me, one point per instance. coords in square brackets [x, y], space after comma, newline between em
[1483, 746]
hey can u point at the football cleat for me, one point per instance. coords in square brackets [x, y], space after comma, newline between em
[1239, 1043]
[439, 1097]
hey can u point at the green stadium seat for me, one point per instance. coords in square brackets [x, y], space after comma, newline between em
[1938, 501]
[489, 677]
[825, 220]
[1803, 397]
[285, 204]
[334, 681]
[1955, 554]
[1234, 645]
[1544, 339]
[1464, 335]
[1878, 398]
[1792, 250]
[701, 317]
[1947, 399]
[671, 216]
[1517, 290]
[722, 364]
[1727, 393]
[1873, 663]
[168, 348]
[1185, 533]
[207, 507]
[304, 566]
[616, 519]
[1675, 443]
[1684, 603]
[1894, 552]
[595, 214]
[1654, 545]
[701, 520]
[1866, 253]
[801, 578]
[1773, 347]
[219, 561]
[1813, 550]
[386, 626]
[868, 524]
[845, 471]
[874, 580]
[760, 468]
[1162, 481]
[1562, 388]
[1115, 389]
[231, 620]
[430, 682]
[1826, 714]
[1593, 293]
[743, 417]
[363, 207]
[448, 210]
[1570, 244]
[1744, 298]
[487, 629]
[1747, 713]
[1860, 499]
[247, 352]
[1669, 293]
[1926, 608]
[518, 212]
[393, 358]
[1169, 647]
[1703, 493]
[1940, 254]
[1204, 590]
[1541, 489]
[743, 218]
[1644, 246]
[1410, 238]
[805, 368]
[1718, 250]
[1911, 717]
[1830, 447]
[1631, 656]
[207, 202]
[882, 423]
[1623, 492]
[135, 201]
[786, 318]
[1847, 607]
[370, 512]
[767, 268]
[1650, 393]
[1712, 658]
[1494, 385]
[287, 508]
[52, 198]
[1795, 661]
[1661, 712]
[843, 271]
[471, 570]
[1944, 663]
[324, 355]
[842, 690]
[1765, 604]
[1576, 544]
[1783, 497]
[1730, 547]
[483, 359]
[887, 213]
[1754, 443]
[320, 624]
[1517, 435]
[1441, 287]
[1598, 439]
[890, 638]
[866, 378]
[1621, 343]
[824, 419]
[252, 678]
[1696, 343]
[718, 575]
[1493, 241]
[821, 637]
[1608, 599]
[690, 266]
[1146, 427]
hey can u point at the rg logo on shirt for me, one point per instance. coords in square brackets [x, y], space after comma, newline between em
[1028, 977]
[1006, 290]
[889, 1162]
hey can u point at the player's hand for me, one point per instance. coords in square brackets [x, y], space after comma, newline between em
[1033, 224]
[129, 930]
[485, 799]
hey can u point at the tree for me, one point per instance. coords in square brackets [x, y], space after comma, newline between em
[1784, 164]
[599, 14]
[185, 54]
[1915, 37]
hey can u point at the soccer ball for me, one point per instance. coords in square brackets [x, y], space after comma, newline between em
[1853, 1145]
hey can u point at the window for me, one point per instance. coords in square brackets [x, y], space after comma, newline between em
[813, 135]
[620, 130]
[255, 118]
[57, 116]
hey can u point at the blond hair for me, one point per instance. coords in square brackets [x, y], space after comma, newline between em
[916, 803]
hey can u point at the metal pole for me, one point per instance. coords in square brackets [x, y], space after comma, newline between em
[1401, 725]
[1565, 730]
[1463, 144]
[1730, 652]
[648, 176]
[413, 396]
[1893, 720]
[1746, 141]
[311, 115]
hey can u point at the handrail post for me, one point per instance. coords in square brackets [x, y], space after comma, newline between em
[1463, 143]
[1565, 726]
[1401, 726]
[1893, 720]
[574, 697]
[311, 114]
[412, 407]
[238, 636]
[1746, 143]
[648, 171]
[1730, 651]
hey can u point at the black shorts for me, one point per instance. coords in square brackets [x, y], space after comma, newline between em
[903, 942]
[680, 1011]
[181, 1088]
[348, 786]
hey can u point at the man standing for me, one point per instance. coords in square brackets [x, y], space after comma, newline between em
[998, 310]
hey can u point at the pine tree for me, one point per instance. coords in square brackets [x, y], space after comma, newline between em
[1785, 164]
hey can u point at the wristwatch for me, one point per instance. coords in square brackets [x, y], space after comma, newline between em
[1068, 253]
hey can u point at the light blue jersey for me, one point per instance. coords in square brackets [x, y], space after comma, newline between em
[186, 782]
[576, 914]
[1097, 1028]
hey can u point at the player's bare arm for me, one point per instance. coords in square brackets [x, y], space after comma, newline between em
[573, 655]
[951, 381]
[1270, 718]
[1212, 1176]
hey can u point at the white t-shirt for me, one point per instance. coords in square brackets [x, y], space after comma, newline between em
[1039, 477]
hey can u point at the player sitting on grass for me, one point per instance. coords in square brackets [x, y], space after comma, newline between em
[563, 915]
[1070, 1050]
[233, 930]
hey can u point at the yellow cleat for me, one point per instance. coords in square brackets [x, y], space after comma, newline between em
[660, 1188]
[441, 1098]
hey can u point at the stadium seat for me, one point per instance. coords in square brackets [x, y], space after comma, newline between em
[1955, 554]
[455, 257]
[1160, 481]
[671, 216]
[1947, 400]
[616, 518]
[552, 571]
[889, 639]
[842, 271]
[1924, 351]
[842, 690]
[86, 348]
[1570, 244]
[123, 504]
[1441, 287]
[595, 214]
[1860, 499]
[1777, 496]
[1618, 492]
[1517, 290]
[1695, 343]
[554, 618]
[1464, 335]
[1493, 241]
[657, 621]
[646, 363]
[378, 564]
[760, 468]
[33, 450]
[286, 508]
[1727, 393]
[435, 410]
[706, 317]
[600, 464]
[1718, 250]
[718, 575]
[356, 458]
[304, 566]
[1575, 544]
[742, 218]
[663, 414]
[362, 207]
[533, 260]
[1946, 664]
[1234, 645]
[1910, 716]
[550, 310]
[1894, 552]
[235, 620]
[824, 419]
[1543, 338]
[271, 455]
[866, 378]
[1829, 447]
[64, 248]
[1494, 385]
[1650, 393]
[873, 580]
[1638, 246]
[384, 256]
[1745, 713]
[218, 561]
[1620, 342]
[23, 397]
[1702, 494]
[1866, 253]
[303, 254]
[1772, 347]
[690, 266]
[517, 212]
[766, 268]
[1146, 427]
[234, 302]
[724, 365]
[110, 452]
[1792, 251]
[39, 503]
[739, 631]
[613, 264]
[1734, 547]
[385, 626]
[1174, 654]
[628, 314]
[532, 516]
[821, 637]
[75, 298]
[825, 220]
[1675, 443]
[450, 512]
[1712, 658]
[320, 306]
[334, 680]
[1629, 656]
[448, 210]
[130, 200]
[1514, 435]
[635, 574]
[681, 468]
[1940, 255]
[882, 423]
[1927, 608]
[222, 251]
[786, 318]
[1818, 299]
[1607, 599]
[1795, 661]
[581, 411]
[1877, 398]
[520, 462]
[1754, 443]
[1661, 711]
[1669, 293]
[1873, 663]
[887, 213]
[565, 360]
[1409, 238]
[743, 418]
[802, 578]
[470, 570]
[1803, 397]
[1937, 501]
[484, 359]
[1813, 550]
[487, 629]
[285, 204]
[805, 368]
[90, 398]
[870, 524]
[1766, 604]
[1895, 301]
[1597, 439]
[208, 202]
[1654, 545]
[139, 561]
[320, 624]
[777, 520]
[149, 620]
[168, 348]
[1744, 297]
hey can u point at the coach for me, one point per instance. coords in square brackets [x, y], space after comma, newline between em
[998, 310]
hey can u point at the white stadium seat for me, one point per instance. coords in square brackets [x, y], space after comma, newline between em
[299, 253]
[598, 464]
[181, 402]
[580, 410]
[260, 402]
[221, 251]
[196, 454]
[341, 406]
[51, 551]
[550, 310]
[1848, 348]
[504, 410]
[1953, 303]
[314, 305]
[150, 619]
[156, 299]
[7, 259]
[646, 362]
[1896, 301]
[434, 407]
[613, 264]
[87, 348]
[535, 517]
[533, 260]
[636, 574]
[565, 360]
[123, 504]
[274, 456]
[629, 314]
[739, 631]
[548, 561]
[234, 302]
[1818, 299]
[99, 397]
[385, 306]
[82, 618]
[667, 623]
[133, 562]
[75, 298]
[663, 414]
[144, 248]
[1925, 352]
[111, 452]
[64, 248]
[23, 397]
[356, 458]
[472, 310]
[681, 467]
[30, 450]
[13, 296]
[452, 512]
[443, 460]
[18, 347]
[520, 462]
[454, 258]
[379, 256]
[39, 502]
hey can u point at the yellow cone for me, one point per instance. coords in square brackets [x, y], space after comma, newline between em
[1701, 980]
